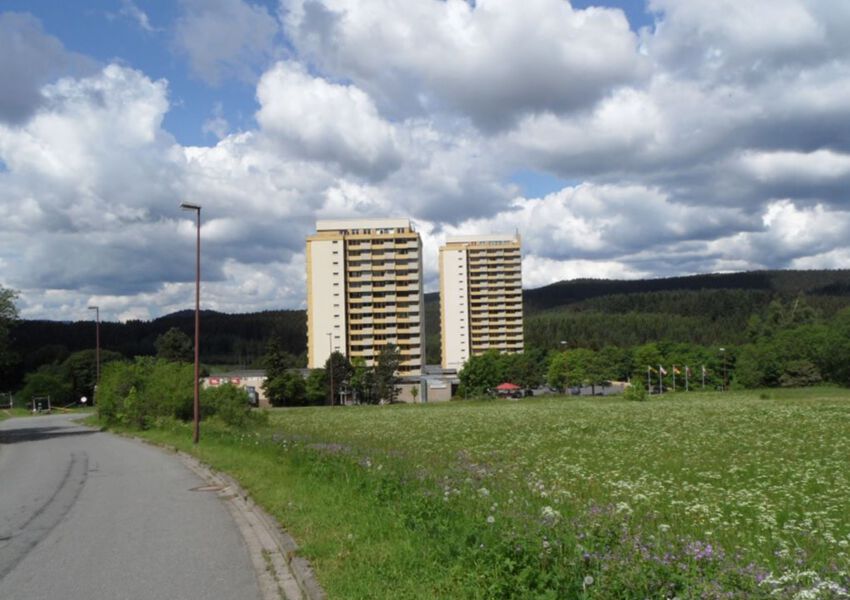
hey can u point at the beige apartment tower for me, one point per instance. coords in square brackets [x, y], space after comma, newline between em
[480, 296]
[364, 290]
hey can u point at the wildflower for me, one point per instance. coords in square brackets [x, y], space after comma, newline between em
[549, 516]
[588, 581]
[491, 519]
[622, 507]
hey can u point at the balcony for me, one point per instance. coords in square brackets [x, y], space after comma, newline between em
[362, 353]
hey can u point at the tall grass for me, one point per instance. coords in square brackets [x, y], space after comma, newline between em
[708, 496]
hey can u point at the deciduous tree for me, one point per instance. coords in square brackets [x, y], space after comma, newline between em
[176, 346]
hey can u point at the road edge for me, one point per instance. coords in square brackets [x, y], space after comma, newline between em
[281, 573]
[293, 577]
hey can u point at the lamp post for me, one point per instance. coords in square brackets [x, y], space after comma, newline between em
[96, 310]
[331, 365]
[197, 403]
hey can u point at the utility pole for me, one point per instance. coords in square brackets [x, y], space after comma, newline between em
[197, 402]
[95, 399]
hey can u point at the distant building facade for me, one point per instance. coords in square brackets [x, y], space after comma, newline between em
[480, 296]
[364, 290]
[251, 381]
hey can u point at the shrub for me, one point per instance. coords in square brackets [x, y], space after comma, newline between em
[135, 393]
[636, 392]
[229, 403]
[800, 373]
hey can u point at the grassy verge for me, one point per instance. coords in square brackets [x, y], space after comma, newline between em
[8, 413]
[688, 496]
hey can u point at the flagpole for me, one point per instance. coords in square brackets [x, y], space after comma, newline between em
[648, 380]
[660, 380]
[703, 377]
[674, 378]
[687, 368]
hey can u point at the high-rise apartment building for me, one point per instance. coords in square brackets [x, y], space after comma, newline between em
[480, 296]
[364, 290]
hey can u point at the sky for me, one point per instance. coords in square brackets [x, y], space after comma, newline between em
[621, 139]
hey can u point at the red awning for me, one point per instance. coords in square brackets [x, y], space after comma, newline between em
[507, 387]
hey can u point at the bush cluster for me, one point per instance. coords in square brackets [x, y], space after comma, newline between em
[137, 393]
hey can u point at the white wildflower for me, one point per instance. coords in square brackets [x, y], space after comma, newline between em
[549, 516]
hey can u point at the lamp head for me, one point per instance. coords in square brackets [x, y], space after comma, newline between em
[190, 206]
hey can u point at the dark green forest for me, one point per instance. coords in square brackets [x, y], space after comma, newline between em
[236, 340]
[704, 310]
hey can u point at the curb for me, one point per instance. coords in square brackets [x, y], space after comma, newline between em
[289, 568]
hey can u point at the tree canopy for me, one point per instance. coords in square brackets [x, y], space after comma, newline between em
[174, 345]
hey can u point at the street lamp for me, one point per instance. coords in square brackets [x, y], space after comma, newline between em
[197, 403]
[96, 352]
[331, 365]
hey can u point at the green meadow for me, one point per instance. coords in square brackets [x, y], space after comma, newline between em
[736, 495]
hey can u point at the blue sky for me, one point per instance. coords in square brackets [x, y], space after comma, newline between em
[700, 135]
[105, 31]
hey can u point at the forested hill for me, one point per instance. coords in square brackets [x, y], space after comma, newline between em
[783, 283]
[238, 340]
[591, 313]
[700, 309]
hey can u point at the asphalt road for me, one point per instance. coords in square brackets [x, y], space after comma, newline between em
[87, 515]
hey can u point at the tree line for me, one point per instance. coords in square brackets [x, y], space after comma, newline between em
[789, 343]
[341, 380]
[686, 319]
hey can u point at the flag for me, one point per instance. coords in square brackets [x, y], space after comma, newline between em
[676, 370]
[703, 370]
[688, 371]
[662, 370]
[651, 370]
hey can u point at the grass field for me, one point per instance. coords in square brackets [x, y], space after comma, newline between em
[697, 496]
[8, 413]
